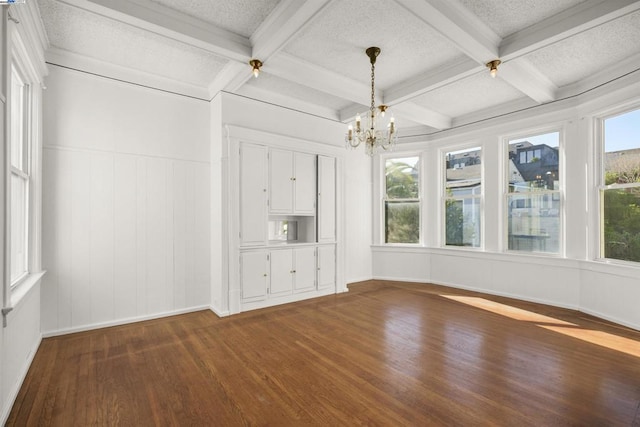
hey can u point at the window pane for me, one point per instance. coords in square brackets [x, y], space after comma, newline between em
[402, 178]
[621, 206]
[534, 222]
[621, 224]
[402, 222]
[534, 163]
[462, 222]
[622, 149]
[464, 170]
[18, 227]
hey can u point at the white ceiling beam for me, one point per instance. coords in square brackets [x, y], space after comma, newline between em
[166, 22]
[283, 23]
[291, 68]
[422, 115]
[231, 77]
[570, 22]
[524, 76]
[457, 24]
[424, 83]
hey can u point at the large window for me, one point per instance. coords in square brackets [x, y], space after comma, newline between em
[19, 136]
[620, 188]
[402, 200]
[463, 197]
[533, 193]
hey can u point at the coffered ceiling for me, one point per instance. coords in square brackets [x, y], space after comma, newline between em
[431, 70]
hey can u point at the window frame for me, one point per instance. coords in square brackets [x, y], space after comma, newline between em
[25, 63]
[383, 196]
[561, 193]
[600, 186]
[442, 153]
[22, 172]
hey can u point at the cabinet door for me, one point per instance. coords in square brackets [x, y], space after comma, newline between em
[254, 276]
[281, 271]
[305, 268]
[253, 195]
[326, 199]
[326, 266]
[305, 184]
[280, 181]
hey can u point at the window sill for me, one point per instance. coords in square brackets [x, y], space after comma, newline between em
[23, 288]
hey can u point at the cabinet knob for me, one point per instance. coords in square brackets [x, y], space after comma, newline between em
[265, 274]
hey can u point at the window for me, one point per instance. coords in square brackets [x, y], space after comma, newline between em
[463, 197]
[620, 188]
[19, 133]
[402, 200]
[533, 193]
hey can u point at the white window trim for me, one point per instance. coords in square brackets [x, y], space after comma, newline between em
[442, 196]
[504, 241]
[19, 56]
[382, 191]
[596, 219]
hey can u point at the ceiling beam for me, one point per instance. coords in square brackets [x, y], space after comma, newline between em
[427, 82]
[283, 23]
[457, 24]
[422, 115]
[524, 76]
[297, 70]
[169, 23]
[570, 22]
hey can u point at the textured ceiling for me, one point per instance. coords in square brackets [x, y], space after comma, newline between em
[85, 33]
[338, 38]
[238, 16]
[578, 57]
[473, 93]
[507, 17]
[431, 70]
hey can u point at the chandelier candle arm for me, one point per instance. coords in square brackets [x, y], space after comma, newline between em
[373, 137]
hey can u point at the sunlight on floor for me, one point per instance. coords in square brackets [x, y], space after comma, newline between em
[604, 339]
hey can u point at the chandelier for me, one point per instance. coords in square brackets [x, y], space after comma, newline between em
[379, 132]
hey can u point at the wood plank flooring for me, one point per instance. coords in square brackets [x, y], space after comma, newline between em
[386, 353]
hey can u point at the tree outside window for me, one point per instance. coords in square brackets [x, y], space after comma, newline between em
[402, 200]
[620, 192]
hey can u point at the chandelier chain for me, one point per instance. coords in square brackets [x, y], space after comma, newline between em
[373, 75]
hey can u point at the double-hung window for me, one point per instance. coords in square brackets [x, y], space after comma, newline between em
[20, 153]
[620, 188]
[533, 197]
[462, 198]
[402, 200]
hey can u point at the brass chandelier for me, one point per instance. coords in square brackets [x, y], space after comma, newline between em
[379, 132]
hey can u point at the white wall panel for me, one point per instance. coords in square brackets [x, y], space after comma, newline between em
[126, 232]
[125, 239]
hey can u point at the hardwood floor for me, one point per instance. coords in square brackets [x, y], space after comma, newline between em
[386, 353]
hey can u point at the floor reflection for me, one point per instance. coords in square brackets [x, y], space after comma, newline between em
[601, 338]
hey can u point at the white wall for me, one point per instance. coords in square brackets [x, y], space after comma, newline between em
[126, 202]
[575, 279]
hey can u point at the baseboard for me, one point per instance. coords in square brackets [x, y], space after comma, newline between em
[610, 319]
[218, 312]
[395, 279]
[13, 392]
[122, 321]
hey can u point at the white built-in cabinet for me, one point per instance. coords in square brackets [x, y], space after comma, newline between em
[326, 199]
[292, 182]
[279, 184]
[253, 195]
[326, 266]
